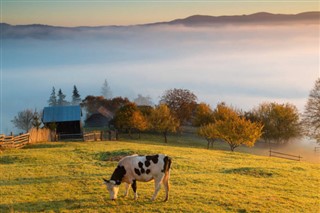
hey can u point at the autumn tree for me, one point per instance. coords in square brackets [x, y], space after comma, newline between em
[280, 121]
[203, 115]
[182, 103]
[139, 122]
[311, 115]
[24, 120]
[162, 121]
[231, 128]
[124, 119]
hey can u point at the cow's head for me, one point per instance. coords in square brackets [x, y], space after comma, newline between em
[112, 187]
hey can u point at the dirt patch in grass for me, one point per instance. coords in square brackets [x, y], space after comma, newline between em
[251, 171]
[113, 155]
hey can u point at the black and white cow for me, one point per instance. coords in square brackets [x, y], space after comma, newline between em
[140, 168]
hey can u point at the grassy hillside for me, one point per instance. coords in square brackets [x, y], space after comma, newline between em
[67, 177]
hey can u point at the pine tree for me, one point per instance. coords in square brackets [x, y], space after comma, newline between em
[105, 90]
[75, 96]
[53, 98]
[61, 99]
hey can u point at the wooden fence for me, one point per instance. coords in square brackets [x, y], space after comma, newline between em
[92, 136]
[14, 141]
[284, 155]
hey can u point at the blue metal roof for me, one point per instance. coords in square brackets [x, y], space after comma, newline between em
[61, 114]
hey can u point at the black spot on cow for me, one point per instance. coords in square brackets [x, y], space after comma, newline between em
[147, 163]
[137, 171]
[147, 171]
[140, 165]
[142, 170]
[118, 174]
[154, 158]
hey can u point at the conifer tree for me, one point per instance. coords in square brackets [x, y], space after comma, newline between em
[53, 98]
[75, 96]
[61, 99]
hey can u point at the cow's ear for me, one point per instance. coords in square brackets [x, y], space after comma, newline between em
[106, 181]
[113, 182]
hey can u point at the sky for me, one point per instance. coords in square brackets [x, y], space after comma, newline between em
[129, 12]
[240, 65]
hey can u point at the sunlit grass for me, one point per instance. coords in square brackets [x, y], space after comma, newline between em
[67, 177]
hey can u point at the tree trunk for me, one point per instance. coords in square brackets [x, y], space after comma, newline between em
[165, 137]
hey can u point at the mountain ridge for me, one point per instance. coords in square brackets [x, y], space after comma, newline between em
[261, 18]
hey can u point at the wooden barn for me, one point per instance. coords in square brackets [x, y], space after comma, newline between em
[67, 120]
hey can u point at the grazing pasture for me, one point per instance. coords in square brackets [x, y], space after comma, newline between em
[67, 177]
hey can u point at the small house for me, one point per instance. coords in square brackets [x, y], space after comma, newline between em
[67, 119]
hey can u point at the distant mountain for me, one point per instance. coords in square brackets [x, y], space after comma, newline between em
[256, 18]
[39, 31]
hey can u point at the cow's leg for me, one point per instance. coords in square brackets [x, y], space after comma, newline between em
[134, 187]
[127, 189]
[157, 186]
[166, 184]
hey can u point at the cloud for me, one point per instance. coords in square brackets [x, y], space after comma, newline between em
[243, 66]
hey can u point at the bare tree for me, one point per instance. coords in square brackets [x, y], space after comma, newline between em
[311, 116]
[24, 120]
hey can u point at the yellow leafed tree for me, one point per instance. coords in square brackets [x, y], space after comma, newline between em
[231, 128]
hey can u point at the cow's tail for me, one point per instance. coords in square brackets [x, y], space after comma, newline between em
[167, 165]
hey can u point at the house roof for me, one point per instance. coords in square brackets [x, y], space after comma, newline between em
[61, 114]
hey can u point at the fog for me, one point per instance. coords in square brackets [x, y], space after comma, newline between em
[243, 66]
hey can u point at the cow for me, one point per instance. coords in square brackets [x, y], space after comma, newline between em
[135, 168]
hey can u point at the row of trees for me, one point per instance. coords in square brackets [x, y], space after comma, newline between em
[272, 122]
[59, 99]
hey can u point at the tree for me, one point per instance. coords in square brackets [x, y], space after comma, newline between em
[232, 128]
[124, 117]
[76, 100]
[139, 122]
[311, 115]
[162, 120]
[280, 121]
[53, 98]
[181, 102]
[36, 120]
[143, 101]
[203, 115]
[105, 90]
[24, 120]
[61, 99]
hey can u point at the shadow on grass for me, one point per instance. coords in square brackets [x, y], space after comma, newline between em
[44, 206]
[251, 171]
[43, 146]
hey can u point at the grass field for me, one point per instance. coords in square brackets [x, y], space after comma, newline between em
[67, 177]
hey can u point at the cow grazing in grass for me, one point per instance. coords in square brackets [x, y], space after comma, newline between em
[140, 168]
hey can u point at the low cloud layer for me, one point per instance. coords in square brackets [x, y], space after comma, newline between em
[242, 66]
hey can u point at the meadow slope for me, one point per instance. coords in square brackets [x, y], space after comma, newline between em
[67, 177]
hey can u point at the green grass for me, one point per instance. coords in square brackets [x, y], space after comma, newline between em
[67, 177]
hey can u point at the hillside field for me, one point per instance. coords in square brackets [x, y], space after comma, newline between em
[67, 177]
